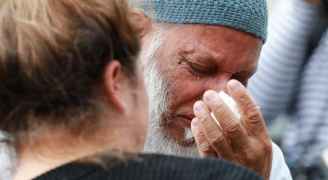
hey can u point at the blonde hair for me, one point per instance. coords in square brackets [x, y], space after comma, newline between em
[52, 56]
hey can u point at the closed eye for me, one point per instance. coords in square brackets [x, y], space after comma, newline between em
[198, 69]
[243, 77]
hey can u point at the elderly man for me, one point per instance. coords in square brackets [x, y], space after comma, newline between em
[198, 45]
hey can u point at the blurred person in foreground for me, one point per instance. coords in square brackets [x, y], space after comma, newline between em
[292, 80]
[73, 103]
[194, 46]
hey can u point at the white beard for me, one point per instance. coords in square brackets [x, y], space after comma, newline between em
[158, 141]
[7, 158]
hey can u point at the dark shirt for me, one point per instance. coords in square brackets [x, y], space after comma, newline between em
[154, 167]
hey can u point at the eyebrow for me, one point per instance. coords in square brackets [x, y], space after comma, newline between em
[201, 52]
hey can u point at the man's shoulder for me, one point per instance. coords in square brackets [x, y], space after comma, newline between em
[155, 167]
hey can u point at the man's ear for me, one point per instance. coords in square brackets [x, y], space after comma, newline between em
[141, 22]
[114, 84]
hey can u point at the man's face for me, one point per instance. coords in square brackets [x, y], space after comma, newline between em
[189, 60]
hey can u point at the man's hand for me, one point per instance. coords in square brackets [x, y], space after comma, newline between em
[245, 141]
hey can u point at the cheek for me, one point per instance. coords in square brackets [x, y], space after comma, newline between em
[184, 92]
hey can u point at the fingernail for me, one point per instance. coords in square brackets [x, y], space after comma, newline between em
[234, 85]
[199, 109]
[210, 96]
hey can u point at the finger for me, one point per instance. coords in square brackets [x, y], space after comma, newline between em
[232, 129]
[251, 115]
[212, 131]
[203, 146]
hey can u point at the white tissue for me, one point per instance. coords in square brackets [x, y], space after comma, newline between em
[231, 103]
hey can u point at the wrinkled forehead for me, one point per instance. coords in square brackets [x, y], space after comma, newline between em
[211, 42]
[213, 34]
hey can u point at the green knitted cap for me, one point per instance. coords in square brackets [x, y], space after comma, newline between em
[245, 15]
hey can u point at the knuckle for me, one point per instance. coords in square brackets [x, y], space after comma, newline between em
[219, 108]
[223, 113]
[253, 115]
[204, 147]
[233, 129]
[253, 154]
[243, 98]
[211, 131]
[267, 148]
[210, 126]
[253, 150]
[218, 140]
[251, 108]
[247, 104]
[253, 157]
[259, 153]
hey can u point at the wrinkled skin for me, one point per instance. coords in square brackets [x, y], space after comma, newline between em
[244, 141]
[195, 58]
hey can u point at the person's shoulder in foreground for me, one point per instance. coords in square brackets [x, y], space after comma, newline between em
[155, 167]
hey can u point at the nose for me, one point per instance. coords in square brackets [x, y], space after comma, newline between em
[218, 84]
